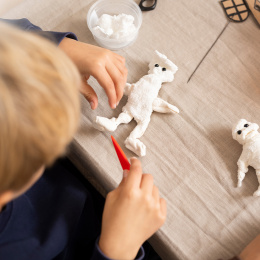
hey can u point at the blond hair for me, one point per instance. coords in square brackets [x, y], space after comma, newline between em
[39, 105]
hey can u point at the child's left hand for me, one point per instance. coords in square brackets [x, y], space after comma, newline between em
[107, 67]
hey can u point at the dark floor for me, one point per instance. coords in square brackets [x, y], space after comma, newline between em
[150, 254]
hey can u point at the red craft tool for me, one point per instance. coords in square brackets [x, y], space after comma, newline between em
[120, 154]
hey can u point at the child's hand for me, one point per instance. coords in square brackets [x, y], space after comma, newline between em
[132, 213]
[106, 66]
[252, 251]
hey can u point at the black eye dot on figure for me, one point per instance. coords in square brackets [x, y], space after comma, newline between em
[156, 65]
[239, 132]
[163, 69]
[246, 125]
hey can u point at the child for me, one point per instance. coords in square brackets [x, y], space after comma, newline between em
[48, 213]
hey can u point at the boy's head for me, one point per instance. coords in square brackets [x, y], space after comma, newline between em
[39, 105]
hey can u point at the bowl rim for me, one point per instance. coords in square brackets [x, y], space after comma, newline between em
[120, 39]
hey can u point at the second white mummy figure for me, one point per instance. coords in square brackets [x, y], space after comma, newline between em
[142, 101]
[246, 134]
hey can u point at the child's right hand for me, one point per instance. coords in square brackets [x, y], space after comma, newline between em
[132, 213]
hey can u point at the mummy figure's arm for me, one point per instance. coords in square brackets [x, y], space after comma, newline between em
[128, 88]
[161, 106]
[242, 168]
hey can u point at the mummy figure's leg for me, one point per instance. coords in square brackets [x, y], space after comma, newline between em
[132, 142]
[240, 177]
[105, 124]
[257, 192]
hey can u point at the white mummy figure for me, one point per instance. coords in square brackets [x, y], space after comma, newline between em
[246, 134]
[142, 101]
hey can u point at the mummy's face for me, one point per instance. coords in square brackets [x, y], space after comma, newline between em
[244, 131]
[165, 75]
[162, 67]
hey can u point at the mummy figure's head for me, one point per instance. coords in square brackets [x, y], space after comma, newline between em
[243, 131]
[162, 67]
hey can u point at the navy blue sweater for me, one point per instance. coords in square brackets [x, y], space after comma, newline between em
[54, 219]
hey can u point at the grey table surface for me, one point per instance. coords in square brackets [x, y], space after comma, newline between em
[192, 156]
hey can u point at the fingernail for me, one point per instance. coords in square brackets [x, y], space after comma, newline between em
[125, 173]
[114, 106]
[117, 103]
[92, 104]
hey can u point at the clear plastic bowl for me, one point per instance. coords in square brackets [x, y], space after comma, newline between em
[114, 7]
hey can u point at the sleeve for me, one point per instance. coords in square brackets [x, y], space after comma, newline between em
[99, 255]
[26, 25]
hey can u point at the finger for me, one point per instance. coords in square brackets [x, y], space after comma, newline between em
[88, 92]
[119, 61]
[134, 177]
[120, 58]
[163, 207]
[121, 67]
[125, 174]
[107, 84]
[156, 194]
[118, 78]
[147, 183]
